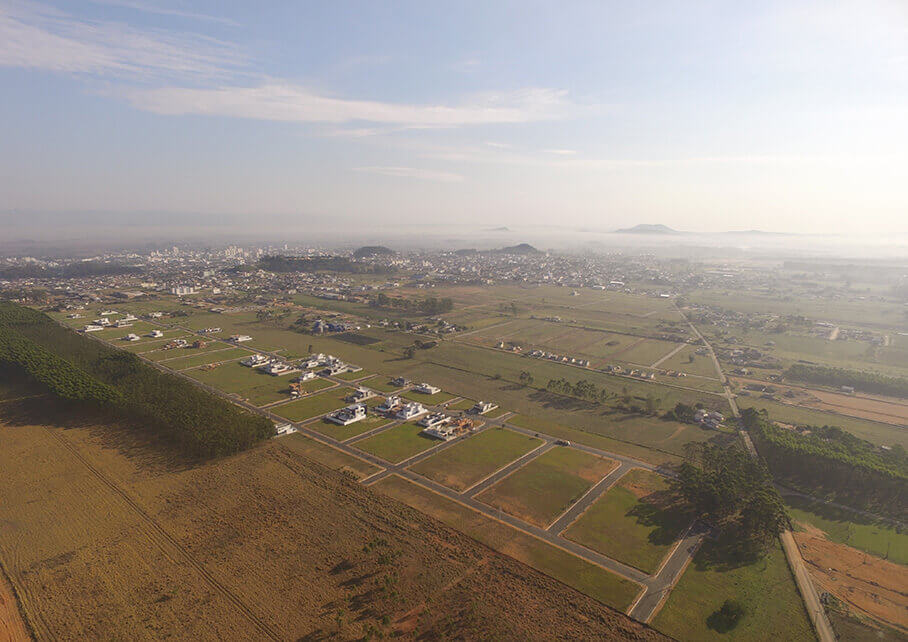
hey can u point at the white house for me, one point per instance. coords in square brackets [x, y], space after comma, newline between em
[427, 389]
[348, 415]
[411, 410]
[92, 327]
[434, 419]
[278, 368]
[482, 407]
[255, 361]
[284, 429]
[360, 394]
[389, 404]
[308, 375]
[444, 432]
[155, 334]
[132, 337]
[240, 338]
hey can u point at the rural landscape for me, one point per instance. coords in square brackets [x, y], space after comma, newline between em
[392, 441]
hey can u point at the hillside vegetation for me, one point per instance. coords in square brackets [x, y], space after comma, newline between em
[871, 382]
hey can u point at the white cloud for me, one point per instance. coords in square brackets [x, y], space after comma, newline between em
[292, 103]
[561, 152]
[33, 36]
[413, 172]
[144, 7]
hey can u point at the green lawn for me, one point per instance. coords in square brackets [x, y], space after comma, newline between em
[547, 486]
[249, 383]
[214, 356]
[496, 413]
[328, 456]
[398, 443]
[633, 530]
[314, 405]
[346, 432]
[353, 376]
[589, 579]
[428, 400]
[846, 527]
[381, 384]
[463, 404]
[774, 610]
[469, 461]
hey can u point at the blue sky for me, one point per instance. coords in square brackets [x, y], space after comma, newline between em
[783, 116]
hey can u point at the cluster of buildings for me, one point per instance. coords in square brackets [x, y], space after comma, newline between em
[551, 356]
[708, 418]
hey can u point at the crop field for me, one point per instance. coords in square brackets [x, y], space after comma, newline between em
[577, 573]
[872, 431]
[249, 383]
[313, 405]
[468, 462]
[429, 400]
[398, 443]
[634, 522]
[544, 488]
[765, 588]
[876, 537]
[342, 433]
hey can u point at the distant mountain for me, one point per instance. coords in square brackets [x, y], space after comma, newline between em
[469, 251]
[648, 228]
[500, 229]
[523, 248]
[369, 251]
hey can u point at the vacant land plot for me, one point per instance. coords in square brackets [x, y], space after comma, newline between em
[398, 443]
[342, 433]
[587, 578]
[354, 376]
[876, 537]
[687, 360]
[766, 588]
[429, 400]
[872, 431]
[381, 384]
[314, 405]
[474, 459]
[327, 456]
[213, 356]
[547, 486]
[496, 413]
[249, 383]
[646, 352]
[463, 404]
[635, 522]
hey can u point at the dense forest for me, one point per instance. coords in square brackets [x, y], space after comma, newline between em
[81, 369]
[828, 461]
[429, 305]
[871, 382]
[278, 263]
[733, 491]
[72, 270]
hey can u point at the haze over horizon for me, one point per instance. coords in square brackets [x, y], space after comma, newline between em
[707, 117]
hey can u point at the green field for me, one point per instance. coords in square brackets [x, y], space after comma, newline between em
[473, 459]
[690, 362]
[353, 376]
[398, 443]
[876, 537]
[872, 431]
[342, 433]
[633, 522]
[328, 456]
[496, 413]
[592, 580]
[314, 405]
[463, 404]
[774, 610]
[249, 383]
[428, 400]
[203, 358]
[381, 384]
[543, 489]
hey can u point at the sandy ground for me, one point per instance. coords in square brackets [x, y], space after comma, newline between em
[871, 585]
[12, 628]
[104, 538]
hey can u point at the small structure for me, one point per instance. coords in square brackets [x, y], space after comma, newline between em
[482, 407]
[240, 338]
[434, 419]
[427, 389]
[445, 432]
[283, 429]
[155, 334]
[391, 404]
[278, 368]
[360, 394]
[400, 382]
[92, 327]
[255, 361]
[132, 337]
[411, 410]
[308, 375]
[348, 415]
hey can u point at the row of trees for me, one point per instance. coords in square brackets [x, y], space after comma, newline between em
[871, 382]
[589, 391]
[74, 366]
[732, 490]
[429, 305]
[830, 461]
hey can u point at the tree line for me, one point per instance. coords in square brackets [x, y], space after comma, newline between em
[78, 368]
[829, 461]
[280, 263]
[871, 382]
[428, 305]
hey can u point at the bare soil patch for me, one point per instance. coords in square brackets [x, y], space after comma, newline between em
[872, 586]
[12, 627]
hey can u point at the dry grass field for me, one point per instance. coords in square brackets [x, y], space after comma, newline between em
[104, 537]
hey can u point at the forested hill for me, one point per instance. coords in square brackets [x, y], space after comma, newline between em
[79, 369]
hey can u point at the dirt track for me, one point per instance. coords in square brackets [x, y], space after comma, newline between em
[12, 628]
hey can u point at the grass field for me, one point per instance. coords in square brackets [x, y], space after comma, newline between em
[700, 365]
[428, 400]
[381, 384]
[314, 405]
[587, 578]
[354, 376]
[634, 522]
[327, 456]
[470, 461]
[765, 588]
[342, 433]
[463, 404]
[398, 443]
[204, 358]
[543, 489]
[872, 431]
[249, 383]
[496, 413]
[846, 527]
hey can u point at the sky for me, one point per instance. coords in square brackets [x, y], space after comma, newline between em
[787, 116]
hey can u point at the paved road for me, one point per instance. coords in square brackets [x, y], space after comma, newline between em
[808, 592]
[571, 514]
[507, 469]
[671, 354]
[655, 587]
